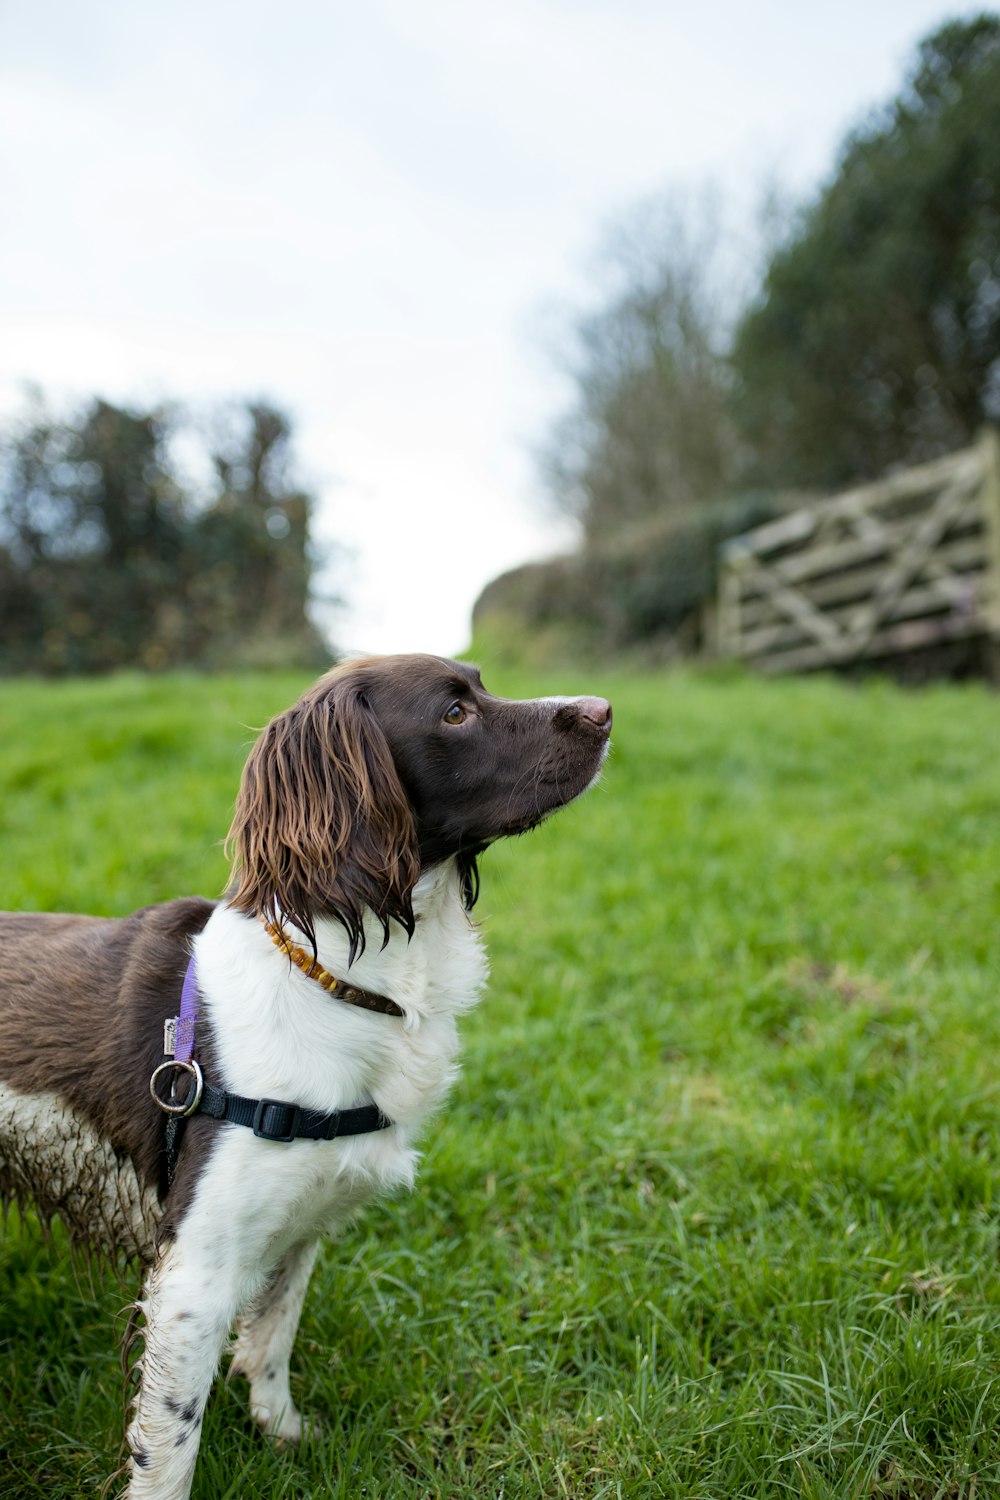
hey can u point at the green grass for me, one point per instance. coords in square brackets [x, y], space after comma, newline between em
[712, 1210]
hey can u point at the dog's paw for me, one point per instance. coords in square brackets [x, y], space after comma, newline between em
[285, 1426]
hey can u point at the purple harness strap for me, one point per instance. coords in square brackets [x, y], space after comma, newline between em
[178, 1047]
[188, 1015]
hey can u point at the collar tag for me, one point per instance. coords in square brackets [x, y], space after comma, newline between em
[170, 1036]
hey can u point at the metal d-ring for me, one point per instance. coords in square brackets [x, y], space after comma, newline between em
[190, 1104]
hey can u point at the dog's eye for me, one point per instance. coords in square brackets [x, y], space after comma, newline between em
[455, 715]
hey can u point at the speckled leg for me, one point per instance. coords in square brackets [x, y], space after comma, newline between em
[188, 1303]
[263, 1345]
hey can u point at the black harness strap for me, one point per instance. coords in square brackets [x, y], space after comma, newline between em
[271, 1120]
[274, 1120]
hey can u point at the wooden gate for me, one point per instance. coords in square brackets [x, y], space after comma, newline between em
[908, 562]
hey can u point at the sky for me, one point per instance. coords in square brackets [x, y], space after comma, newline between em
[374, 214]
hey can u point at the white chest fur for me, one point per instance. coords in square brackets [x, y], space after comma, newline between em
[279, 1035]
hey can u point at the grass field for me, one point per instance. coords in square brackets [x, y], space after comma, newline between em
[712, 1211]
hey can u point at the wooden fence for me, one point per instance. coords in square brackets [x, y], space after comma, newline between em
[907, 563]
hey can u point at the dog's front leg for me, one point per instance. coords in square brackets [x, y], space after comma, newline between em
[189, 1301]
[263, 1346]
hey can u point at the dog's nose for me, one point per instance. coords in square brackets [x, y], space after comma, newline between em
[597, 710]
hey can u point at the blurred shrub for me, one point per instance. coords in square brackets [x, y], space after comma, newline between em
[647, 588]
[111, 555]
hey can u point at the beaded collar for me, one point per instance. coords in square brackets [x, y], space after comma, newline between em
[352, 994]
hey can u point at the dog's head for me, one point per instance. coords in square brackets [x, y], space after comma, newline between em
[388, 766]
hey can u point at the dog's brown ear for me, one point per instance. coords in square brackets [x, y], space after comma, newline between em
[323, 826]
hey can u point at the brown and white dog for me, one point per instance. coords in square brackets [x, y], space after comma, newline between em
[360, 817]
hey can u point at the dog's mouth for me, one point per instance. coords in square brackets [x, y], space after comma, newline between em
[553, 789]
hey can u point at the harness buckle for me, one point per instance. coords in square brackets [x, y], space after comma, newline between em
[272, 1114]
[173, 1105]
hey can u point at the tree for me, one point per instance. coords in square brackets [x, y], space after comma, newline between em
[108, 559]
[876, 336]
[254, 538]
[649, 432]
